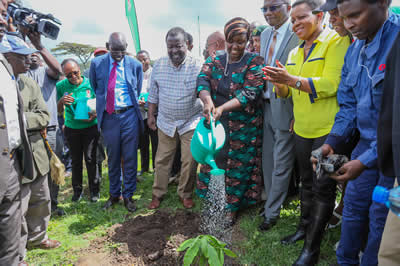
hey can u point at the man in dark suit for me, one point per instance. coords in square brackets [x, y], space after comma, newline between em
[278, 143]
[117, 81]
[388, 143]
[16, 156]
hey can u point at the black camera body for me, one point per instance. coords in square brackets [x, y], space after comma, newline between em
[44, 24]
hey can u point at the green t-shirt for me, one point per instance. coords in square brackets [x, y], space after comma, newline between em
[83, 90]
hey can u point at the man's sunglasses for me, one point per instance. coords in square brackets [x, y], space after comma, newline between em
[73, 73]
[271, 8]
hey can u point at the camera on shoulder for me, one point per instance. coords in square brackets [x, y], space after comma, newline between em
[45, 24]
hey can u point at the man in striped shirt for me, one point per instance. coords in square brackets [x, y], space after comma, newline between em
[173, 92]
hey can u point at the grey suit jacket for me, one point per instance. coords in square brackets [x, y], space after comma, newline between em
[23, 155]
[282, 109]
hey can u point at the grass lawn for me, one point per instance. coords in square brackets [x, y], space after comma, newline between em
[86, 221]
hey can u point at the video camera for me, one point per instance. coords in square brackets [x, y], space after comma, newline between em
[44, 24]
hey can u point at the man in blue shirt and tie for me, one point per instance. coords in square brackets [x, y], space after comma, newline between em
[359, 96]
[117, 81]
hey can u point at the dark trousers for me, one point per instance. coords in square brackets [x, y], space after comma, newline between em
[62, 146]
[121, 135]
[10, 219]
[52, 136]
[324, 189]
[144, 145]
[83, 143]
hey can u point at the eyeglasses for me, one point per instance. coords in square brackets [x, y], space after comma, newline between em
[21, 57]
[73, 73]
[271, 8]
[118, 52]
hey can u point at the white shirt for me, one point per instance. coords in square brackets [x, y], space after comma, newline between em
[8, 91]
[279, 39]
[146, 80]
[145, 85]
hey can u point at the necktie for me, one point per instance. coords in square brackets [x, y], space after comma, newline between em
[272, 48]
[111, 89]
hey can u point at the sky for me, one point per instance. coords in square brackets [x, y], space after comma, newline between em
[92, 21]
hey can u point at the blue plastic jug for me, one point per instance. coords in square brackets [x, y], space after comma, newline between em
[389, 197]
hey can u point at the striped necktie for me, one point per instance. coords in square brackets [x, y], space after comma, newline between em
[272, 48]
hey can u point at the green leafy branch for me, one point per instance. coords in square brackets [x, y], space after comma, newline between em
[203, 249]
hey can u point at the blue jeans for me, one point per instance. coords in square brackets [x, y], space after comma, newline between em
[361, 216]
[121, 135]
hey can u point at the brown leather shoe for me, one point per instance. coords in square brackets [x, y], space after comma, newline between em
[155, 203]
[188, 203]
[49, 244]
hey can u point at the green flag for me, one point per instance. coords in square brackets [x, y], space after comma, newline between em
[130, 11]
[395, 9]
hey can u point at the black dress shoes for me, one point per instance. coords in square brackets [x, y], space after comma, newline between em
[129, 204]
[267, 224]
[58, 211]
[94, 197]
[110, 202]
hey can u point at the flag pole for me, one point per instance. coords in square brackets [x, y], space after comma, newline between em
[198, 23]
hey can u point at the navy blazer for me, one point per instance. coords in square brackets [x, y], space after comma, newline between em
[99, 75]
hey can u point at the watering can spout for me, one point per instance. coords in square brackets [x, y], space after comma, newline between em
[211, 161]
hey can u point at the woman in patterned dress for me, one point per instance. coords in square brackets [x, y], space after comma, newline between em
[230, 86]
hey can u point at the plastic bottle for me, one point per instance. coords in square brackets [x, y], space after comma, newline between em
[391, 198]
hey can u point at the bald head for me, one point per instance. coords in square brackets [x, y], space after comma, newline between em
[117, 46]
[254, 25]
[215, 42]
[117, 38]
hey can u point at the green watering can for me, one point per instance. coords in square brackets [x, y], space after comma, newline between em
[208, 140]
[143, 96]
[81, 112]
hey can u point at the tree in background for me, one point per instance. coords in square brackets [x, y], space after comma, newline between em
[82, 51]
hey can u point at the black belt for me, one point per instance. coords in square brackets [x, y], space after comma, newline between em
[266, 100]
[122, 110]
[51, 128]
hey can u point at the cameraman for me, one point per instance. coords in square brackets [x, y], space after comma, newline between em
[47, 77]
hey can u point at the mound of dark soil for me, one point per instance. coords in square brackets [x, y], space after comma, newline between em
[145, 240]
[156, 237]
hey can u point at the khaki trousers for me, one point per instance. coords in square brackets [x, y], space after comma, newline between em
[164, 158]
[389, 251]
[36, 210]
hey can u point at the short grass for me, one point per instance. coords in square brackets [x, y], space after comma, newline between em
[86, 221]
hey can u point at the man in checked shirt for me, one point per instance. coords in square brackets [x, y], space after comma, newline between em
[173, 93]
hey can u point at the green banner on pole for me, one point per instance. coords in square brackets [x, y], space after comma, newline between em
[130, 11]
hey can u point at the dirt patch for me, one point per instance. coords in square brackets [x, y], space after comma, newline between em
[144, 240]
[149, 240]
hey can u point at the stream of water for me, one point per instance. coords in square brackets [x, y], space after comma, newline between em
[214, 219]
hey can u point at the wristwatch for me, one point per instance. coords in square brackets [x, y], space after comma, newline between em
[298, 84]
